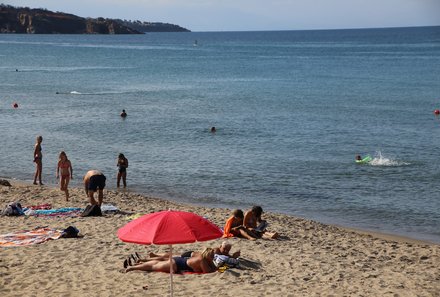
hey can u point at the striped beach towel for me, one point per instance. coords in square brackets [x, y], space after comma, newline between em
[28, 237]
[57, 212]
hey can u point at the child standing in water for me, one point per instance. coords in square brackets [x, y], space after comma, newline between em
[64, 173]
[122, 172]
[38, 160]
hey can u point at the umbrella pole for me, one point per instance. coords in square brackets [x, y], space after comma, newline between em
[171, 270]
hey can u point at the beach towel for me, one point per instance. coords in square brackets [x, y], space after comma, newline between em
[28, 237]
[41, 206]
[134, 216]
[57, 212]
[109, 208]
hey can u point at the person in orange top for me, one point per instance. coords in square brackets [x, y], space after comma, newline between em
[234, 227]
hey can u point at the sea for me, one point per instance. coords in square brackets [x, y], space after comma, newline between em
[291, 110]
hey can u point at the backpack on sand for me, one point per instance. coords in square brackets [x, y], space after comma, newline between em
[92, 211]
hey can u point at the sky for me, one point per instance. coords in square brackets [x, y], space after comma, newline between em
[255, 15]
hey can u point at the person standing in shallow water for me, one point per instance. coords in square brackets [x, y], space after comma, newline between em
[64, 173]
[38, 160]
[123, 114]
[122, 171]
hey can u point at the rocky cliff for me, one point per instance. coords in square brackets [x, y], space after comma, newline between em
[41, 21]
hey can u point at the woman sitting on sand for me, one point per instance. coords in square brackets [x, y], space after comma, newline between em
[234, 227]
[253, 222]
[198, 263]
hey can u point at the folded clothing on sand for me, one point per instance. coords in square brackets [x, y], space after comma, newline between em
[28, 237]
[109, 208]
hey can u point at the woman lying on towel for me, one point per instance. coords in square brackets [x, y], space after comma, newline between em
[198, 263]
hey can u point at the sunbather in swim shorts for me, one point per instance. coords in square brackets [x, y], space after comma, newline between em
[95, 182]
[182, 265]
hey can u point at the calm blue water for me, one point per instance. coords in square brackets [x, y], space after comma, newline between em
[291, 108]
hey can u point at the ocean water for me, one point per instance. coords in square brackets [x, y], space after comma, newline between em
[291, 108]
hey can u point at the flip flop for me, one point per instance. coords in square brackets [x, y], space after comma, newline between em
[133, 257]
[125, 263]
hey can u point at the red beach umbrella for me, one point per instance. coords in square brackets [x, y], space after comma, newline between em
[169, 227]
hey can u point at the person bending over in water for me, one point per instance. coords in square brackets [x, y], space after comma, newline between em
[198, 263]
[38, 160]
[122, 171]
[94, 181]
[64, 173]
[234, 227]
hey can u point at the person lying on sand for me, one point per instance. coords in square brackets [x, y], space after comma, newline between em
[234, 227]
[253, 222]
[198, 263]
[223, 249]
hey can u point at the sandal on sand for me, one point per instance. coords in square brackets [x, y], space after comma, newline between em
[125, 263]
[133, 257]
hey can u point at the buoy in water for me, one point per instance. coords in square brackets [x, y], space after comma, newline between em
[437, 111]
[15, 105]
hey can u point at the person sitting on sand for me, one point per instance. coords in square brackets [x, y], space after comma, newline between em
[94, 181]
[253, 222]
[198, 263]
[234, 227]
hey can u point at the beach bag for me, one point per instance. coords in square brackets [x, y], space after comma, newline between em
[13, 209]
[92, 211]
[70, 232]
[222, 260]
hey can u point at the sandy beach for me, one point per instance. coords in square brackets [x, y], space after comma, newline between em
[310, 258]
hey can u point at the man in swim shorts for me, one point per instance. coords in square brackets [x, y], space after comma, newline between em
[182, 265]
[94, 181]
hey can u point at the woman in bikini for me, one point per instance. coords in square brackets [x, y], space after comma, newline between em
[38, 160]
[256, 225]
[122, 171]
[198, 263]
[64, 173]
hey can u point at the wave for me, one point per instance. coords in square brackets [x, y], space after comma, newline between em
[380, 160]
[66, 69]
[98, 93]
